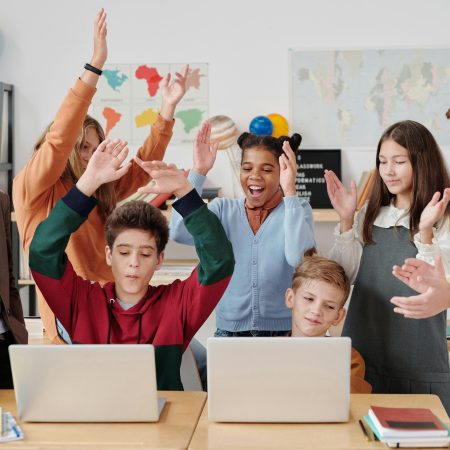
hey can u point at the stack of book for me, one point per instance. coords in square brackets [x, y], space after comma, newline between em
[407, 427]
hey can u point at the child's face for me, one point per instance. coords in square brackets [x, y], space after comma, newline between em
[315, 305]
[396, 169]
[91, 142]
[133, 260]
[260, 176]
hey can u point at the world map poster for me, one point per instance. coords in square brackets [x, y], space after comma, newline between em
[347, 98]
[128, 100]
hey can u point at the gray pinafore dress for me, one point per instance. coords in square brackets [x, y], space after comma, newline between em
[402, 355]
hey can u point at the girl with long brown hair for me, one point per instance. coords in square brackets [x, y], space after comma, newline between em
[404, 217]
[61, 156]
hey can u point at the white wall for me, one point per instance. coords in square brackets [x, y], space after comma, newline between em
[44, 44]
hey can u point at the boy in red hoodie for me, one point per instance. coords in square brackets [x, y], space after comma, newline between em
[129, 311]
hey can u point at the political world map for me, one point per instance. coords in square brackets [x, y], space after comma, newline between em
[128, 99]
[346, 98]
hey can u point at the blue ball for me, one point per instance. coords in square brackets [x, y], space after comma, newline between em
[261, 125]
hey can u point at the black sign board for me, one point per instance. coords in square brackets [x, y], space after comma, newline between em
[310, 183]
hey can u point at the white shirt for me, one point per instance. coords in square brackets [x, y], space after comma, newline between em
[348, 246]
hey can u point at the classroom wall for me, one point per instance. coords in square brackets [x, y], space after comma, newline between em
[44, 44]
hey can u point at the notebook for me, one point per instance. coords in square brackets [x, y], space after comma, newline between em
[279, 379]
[85, 383]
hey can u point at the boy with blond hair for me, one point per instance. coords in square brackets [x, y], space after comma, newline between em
[319, 290]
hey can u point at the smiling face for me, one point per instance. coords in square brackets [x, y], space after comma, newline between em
[396, 171]
[133, 260]
[260, 176]
[90, 143]
[316, 305]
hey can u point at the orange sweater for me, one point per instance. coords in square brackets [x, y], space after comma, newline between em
[358, 385]
[39, 185]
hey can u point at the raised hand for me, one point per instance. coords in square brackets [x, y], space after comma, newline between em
[204, 153]
[431, 214]
[100, 48]
[432, 284]
[288, 170]
[172, 92]
[343, 201]
[167, 178]
[104, 166]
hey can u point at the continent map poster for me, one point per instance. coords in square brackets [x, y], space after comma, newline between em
[128, 100]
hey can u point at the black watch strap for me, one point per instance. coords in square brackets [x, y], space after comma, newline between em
[87, 66]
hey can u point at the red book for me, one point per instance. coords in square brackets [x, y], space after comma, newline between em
[407, 422]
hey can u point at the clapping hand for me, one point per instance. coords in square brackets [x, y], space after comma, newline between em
[343, 201]
[431, 283]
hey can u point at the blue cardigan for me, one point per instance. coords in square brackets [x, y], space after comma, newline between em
[265, 262]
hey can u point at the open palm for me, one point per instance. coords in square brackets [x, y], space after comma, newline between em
[435, 210]
[343, 201]
[173, 92]
[204, 153]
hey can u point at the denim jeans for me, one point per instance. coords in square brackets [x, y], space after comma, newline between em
[250, 333]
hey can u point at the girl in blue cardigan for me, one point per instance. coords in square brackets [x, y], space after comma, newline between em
[270, 229]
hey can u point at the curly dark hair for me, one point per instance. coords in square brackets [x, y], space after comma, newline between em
[270, 143]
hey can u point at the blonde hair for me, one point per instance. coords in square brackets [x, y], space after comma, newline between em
[316, 267]
[105, 194]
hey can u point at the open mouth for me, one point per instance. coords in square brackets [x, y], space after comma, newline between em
[256, 191]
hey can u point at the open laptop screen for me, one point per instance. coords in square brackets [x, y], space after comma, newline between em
[280, 379]
[85, 383]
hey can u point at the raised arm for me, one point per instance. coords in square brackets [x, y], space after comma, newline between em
[51, 270]
[201, 292]
[204, 156]
[156, 143]
[298, 217]
[347, 248]
[433, 238]
[32, 184]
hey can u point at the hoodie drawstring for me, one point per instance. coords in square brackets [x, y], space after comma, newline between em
[139, 328]
[110, 307]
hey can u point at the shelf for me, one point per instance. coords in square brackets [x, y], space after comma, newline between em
[325, 215]
[320, 215]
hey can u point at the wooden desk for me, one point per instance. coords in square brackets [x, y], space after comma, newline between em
[344, 436]
[173, 431]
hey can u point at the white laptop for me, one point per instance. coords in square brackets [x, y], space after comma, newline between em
[279, 379]
[85, 383]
